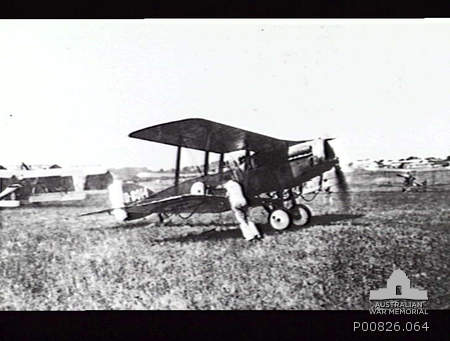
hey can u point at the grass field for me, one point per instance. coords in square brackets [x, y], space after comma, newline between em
[51, 259]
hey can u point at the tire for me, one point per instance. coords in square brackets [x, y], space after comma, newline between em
[280, 219]
[300, 215]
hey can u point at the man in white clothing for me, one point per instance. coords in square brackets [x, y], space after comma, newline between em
[239, 206]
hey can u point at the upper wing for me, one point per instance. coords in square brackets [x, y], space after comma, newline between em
[210, 136]
[33, 173]
[52, 172]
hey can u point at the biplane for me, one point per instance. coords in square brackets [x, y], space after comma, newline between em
[271, 172]
[28, 186]
[410, 183]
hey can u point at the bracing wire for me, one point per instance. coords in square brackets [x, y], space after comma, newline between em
[192, 213]
[315, 194]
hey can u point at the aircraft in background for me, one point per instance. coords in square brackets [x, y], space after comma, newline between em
[410, 183]
[28, 186]
[272, 174]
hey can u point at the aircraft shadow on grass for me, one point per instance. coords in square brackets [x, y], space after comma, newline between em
[265, 229]
[150, 224]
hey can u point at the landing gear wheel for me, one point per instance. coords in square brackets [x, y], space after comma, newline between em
[279, 219]
[301, 215]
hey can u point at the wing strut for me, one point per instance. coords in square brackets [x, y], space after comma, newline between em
[247, 160]
[221, 163]
[177, 166]
[206, 164]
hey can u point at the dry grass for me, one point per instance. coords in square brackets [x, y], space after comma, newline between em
[51, 259]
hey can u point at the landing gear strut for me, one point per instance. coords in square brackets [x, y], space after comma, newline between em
[291, 212]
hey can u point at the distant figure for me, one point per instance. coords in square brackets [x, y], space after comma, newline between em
[239, 207]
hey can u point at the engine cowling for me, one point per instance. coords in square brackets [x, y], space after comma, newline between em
[320, 148]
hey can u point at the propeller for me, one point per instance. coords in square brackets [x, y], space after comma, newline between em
[343, 188]
[341, 182]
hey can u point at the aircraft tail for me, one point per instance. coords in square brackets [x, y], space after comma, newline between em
[122, 194]
[116, 200]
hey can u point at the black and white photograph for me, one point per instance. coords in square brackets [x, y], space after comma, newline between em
[225, 164]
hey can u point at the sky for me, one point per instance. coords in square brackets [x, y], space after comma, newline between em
[72, 90]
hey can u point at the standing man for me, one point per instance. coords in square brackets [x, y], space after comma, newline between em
[239, 207]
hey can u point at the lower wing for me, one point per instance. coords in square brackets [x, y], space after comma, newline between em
[187, 203]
